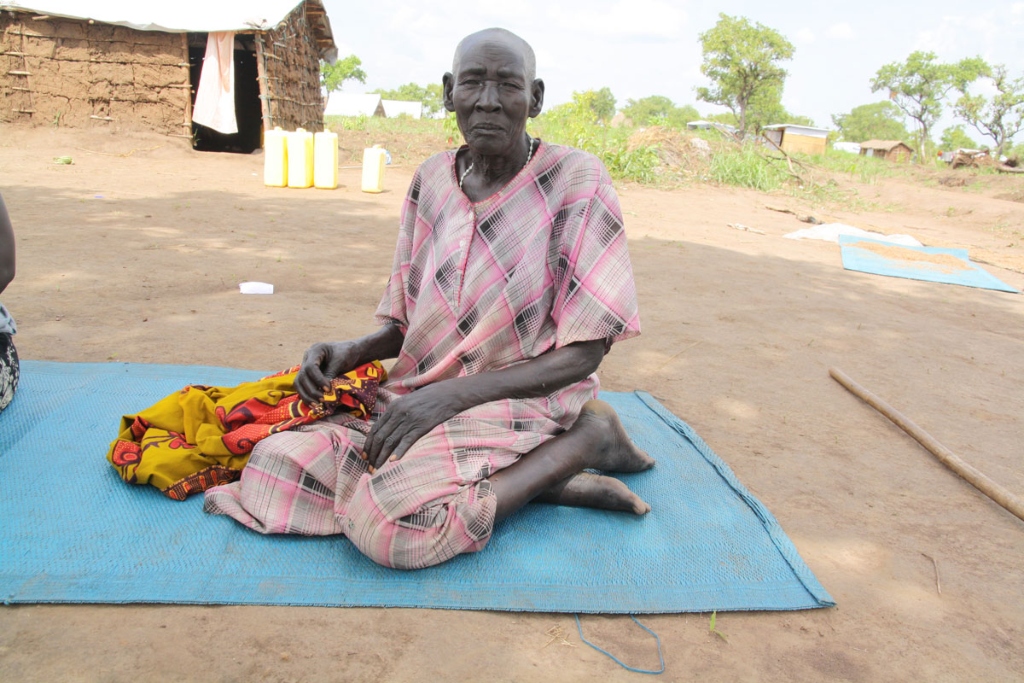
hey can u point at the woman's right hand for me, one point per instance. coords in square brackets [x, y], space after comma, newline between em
[320, 364]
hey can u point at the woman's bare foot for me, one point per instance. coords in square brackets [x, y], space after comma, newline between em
[588, 490]
[615, 452]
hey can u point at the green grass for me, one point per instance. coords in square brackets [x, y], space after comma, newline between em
[608, 144]
[856, 167]
[813, 178]
[746, 167]
[399, 125]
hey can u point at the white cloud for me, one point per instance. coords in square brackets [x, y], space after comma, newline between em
[842, 31]
[805, 35]
[623, 19]
[651, 46]
[958, 36]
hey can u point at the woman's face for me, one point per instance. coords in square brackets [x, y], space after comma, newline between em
[491, 96]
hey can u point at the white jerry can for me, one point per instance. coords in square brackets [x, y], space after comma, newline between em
[374, 159]
[325, 160]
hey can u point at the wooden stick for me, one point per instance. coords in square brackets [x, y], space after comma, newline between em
[938, 585]
[261, 75]
[186, 66]
[948, 458]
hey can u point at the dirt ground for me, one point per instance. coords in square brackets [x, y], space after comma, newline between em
[135, 251]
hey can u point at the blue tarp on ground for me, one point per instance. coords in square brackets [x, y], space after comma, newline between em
[72, 531]
[932, 264]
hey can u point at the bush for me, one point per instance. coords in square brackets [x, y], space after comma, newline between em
[745, 167]
[575, 124]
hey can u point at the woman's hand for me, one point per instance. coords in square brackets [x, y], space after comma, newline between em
[320, 364]
[408, 419]
[323, 362]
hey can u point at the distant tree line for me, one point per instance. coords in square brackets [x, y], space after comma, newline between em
[743, 62]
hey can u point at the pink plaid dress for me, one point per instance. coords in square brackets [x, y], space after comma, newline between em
[474, 287]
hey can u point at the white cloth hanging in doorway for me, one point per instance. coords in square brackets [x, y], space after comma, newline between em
[215, 99]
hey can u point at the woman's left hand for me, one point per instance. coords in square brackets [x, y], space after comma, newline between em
[406, 420]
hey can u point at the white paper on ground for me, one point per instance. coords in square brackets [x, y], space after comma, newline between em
[830, 232]
[256, 288]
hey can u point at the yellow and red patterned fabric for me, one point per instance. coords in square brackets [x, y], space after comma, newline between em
[202, 436]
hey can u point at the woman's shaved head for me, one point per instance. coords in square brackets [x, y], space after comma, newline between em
[503, 37]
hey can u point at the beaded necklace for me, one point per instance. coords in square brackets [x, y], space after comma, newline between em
[468, 170]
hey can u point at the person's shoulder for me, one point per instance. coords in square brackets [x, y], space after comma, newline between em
[438, 165]
[571, 167]
[570, 157]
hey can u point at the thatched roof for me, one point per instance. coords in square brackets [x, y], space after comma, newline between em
[884, 145]
[185, 16]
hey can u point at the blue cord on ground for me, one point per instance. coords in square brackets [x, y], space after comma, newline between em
[661, 658]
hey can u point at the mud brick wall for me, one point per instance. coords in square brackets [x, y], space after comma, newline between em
[290, 61]
[59, 72]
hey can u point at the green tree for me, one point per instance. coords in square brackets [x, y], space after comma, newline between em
[799, 120]
[684, 115]
[332, 76]
[919, 85]
[432, 96]
[586, 108]
[726, 118]
[742, 61]
[657, 110]
[999, 118]
[1016, 152]
[877, 121]
[646, 110]
[954, 138]
[603, 103]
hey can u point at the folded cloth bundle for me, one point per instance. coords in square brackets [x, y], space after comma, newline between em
[7, 325]
[202, 436]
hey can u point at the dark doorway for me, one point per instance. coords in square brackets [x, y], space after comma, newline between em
[247, 98]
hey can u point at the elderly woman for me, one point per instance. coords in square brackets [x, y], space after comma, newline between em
[511, 281]
[9, 371]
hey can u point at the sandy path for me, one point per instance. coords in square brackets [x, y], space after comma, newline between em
[136, 258]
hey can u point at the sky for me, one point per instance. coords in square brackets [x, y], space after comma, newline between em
[651, 47]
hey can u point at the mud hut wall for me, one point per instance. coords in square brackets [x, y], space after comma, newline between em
[291, 63]
[63, 72]
[899, 153]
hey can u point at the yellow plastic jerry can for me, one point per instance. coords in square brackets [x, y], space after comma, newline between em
[300, 158]
[275, 158]
[325, 160]
[373, 169]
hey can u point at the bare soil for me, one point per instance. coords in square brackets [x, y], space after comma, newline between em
[135, 251]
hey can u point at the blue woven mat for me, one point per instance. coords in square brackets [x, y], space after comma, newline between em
[72, 531]
[884, 258]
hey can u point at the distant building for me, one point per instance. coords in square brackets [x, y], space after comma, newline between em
[354, 104]
[708, 125]
[849, 147]
[393, 108]
[891, 150]
[137, 65]
[790, 138]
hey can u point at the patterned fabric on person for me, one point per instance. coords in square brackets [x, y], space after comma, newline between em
[10, 370]
[202, 436]
[474, 288]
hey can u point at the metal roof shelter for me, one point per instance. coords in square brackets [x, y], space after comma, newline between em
[791, 137]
